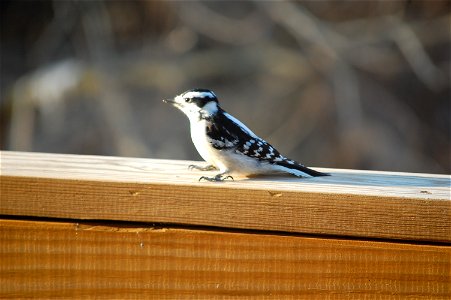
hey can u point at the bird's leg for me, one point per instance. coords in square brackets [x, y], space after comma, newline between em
[200, 168]
[218, 177]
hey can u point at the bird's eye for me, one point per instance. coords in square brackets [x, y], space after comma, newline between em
[188, 99]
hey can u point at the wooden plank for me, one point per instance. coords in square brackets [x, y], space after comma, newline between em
[351, 203]
[50, 259]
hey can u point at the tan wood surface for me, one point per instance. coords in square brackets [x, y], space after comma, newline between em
[350, 202]
[51, 259]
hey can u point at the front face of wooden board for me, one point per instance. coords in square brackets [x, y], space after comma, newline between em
[343, 215]
[53, 259]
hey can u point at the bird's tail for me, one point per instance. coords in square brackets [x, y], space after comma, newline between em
[299, 169]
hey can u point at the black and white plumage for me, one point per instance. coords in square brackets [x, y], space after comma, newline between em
[227, 144]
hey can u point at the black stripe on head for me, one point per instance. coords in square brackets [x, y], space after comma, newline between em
[199, 96]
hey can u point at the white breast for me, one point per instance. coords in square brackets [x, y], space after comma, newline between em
[206, 150]
[199, 137]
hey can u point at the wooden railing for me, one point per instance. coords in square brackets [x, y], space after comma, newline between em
[109, 227]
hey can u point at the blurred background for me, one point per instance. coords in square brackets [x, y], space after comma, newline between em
[343, 84]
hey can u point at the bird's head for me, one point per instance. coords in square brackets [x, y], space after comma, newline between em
[196, 103]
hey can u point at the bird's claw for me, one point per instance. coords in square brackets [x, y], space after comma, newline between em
[217, 178]
[200, 168]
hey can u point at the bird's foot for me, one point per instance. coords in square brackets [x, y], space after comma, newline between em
[219, 177]
[200, 168]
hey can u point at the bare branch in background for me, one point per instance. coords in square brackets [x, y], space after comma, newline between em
[114, 107]
[417, 57]
[235, 31]
[307, 28]
[53, 36]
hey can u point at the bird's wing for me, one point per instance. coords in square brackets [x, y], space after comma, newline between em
[226, 132]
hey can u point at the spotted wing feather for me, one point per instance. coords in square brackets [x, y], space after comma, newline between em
[225, 134]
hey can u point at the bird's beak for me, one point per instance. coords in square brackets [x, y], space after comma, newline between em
[170, 101]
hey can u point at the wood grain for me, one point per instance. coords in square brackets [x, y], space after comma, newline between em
[350, 203]
[60, 260]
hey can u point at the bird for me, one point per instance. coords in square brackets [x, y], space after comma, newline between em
[227, 145]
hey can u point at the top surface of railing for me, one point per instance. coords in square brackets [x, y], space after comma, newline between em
[350, 202]
[175, 172]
